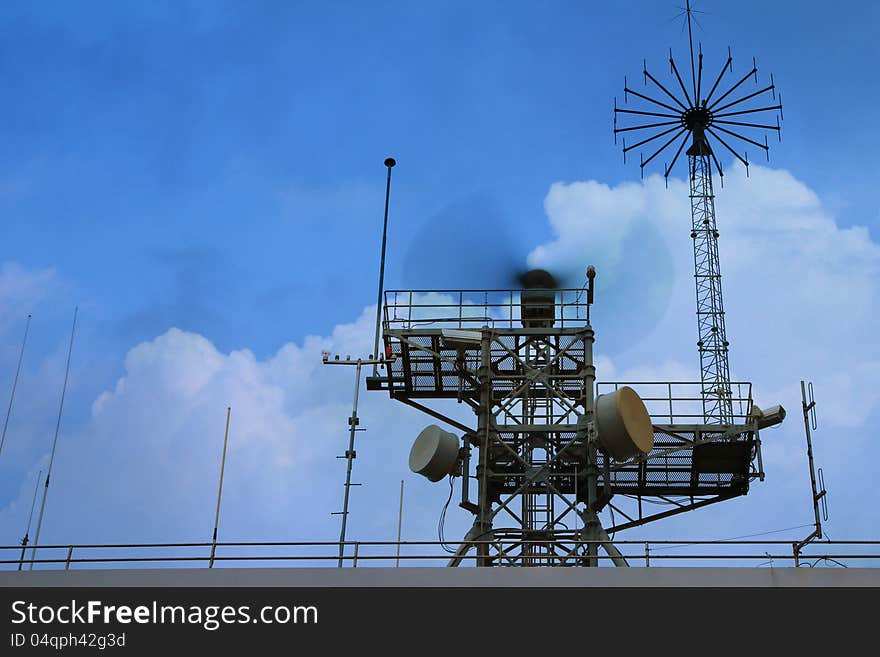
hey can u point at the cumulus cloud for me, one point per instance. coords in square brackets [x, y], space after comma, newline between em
[800, 290]
[801, 293]
[145, 466]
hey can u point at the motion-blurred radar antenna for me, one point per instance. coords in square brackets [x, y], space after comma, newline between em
[551, 449]
[694, 118]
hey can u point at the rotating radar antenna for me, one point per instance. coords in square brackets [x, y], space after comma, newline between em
[690, 116]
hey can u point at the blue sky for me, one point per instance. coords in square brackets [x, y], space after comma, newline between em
[217, 168]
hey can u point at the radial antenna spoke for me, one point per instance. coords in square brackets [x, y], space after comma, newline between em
[717, 166]
[677, 153]
[649, 99]
[645, 141]
[663, 147]
[744, 98]
[664, 89]
[727, 146]
[644, 113]
[751, 141]
[720, 75]
[749, 111]
[734, 87]
[748, 125]
[680, 82]
[647, 125]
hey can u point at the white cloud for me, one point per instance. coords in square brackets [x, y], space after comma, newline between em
[146, 465]
[801, 294]
[800, 291]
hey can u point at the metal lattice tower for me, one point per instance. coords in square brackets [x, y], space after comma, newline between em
[693, 119]
[712, 343]
[522, 361]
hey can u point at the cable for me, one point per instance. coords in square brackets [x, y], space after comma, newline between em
[813, 565]
[442, 521]
[734, 538]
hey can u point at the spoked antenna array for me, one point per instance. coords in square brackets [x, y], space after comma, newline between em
[700, 123]
[677, 115]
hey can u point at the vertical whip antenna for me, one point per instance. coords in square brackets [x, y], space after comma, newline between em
[15, 382]
[54, 441]
[27, 531]
[220, 488]
[389, 164]
[817, 480]
[399, 524]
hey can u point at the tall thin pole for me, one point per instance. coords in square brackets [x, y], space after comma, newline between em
[54, 442]
[27, 532]
[15, 382]
[350, 456]
[399, 523]
[389, 162]
[220, 488]
[808, 405]
[691, 42]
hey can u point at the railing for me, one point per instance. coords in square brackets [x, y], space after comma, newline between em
[408, 309]
[681, 402]
[427, 553]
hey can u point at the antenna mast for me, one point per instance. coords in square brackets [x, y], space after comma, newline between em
[350, 454]
[15, 382]
[389, 164]
[220, 488]
[817, 480]
[24, 540]
[54, 442]
[693, 117]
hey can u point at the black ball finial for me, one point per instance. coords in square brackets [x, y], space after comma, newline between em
[390, 162]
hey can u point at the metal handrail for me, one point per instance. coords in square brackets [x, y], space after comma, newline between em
[473, 307]
[647, 553]
[677, 401]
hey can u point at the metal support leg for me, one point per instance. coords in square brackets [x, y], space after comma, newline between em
[476, 533]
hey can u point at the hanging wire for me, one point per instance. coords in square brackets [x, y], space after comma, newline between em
[826, 559]
[734, 538]
[442, 522]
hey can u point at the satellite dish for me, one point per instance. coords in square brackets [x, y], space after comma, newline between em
[434, 453]
[623, 424]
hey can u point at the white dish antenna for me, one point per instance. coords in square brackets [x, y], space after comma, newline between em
[623, 424]
[434, 453]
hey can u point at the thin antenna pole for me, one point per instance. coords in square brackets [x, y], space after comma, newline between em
[691, 42]
[808, 407]
[24, 541]
[54, 441]
[220, 488]
[350, 456]
[389, 162]
[15, 382]
[399, 523]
